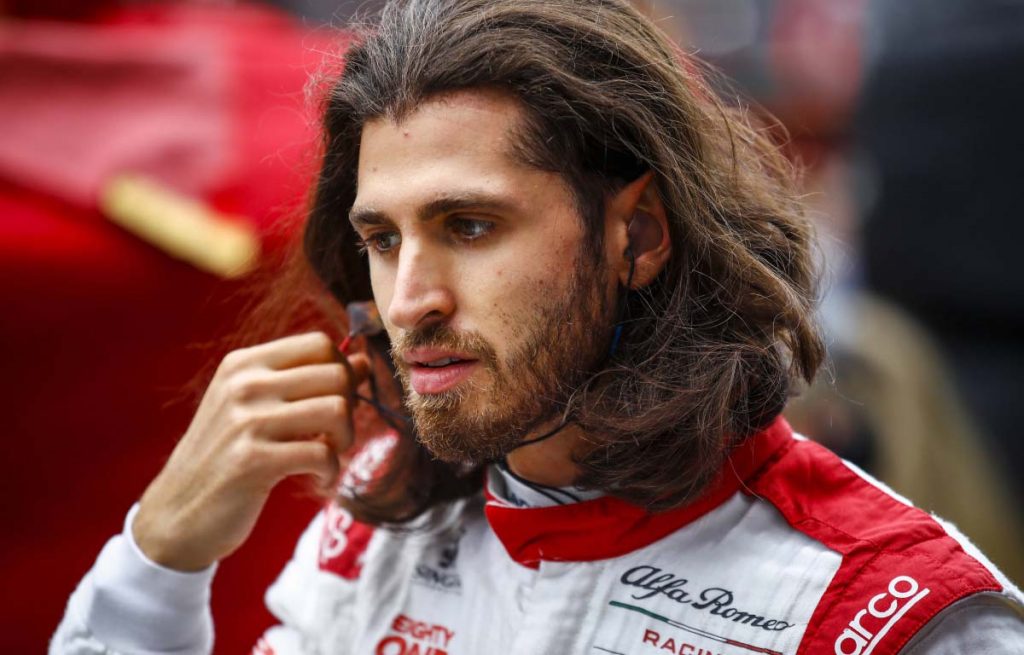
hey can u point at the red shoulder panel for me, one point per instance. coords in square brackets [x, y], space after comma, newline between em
[899, 568]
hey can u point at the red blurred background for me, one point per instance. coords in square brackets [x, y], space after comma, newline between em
[102, 333]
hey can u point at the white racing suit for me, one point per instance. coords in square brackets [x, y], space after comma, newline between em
[791, 551]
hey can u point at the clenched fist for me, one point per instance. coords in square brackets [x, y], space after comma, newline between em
[271, 411]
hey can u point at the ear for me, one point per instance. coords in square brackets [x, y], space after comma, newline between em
[636, 227]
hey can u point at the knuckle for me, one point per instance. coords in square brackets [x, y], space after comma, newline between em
[245, 455]
[233, 387]
[247, 387]
[243, 419]
[234, 360]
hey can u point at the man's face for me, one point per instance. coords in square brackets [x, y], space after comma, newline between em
[495, 312]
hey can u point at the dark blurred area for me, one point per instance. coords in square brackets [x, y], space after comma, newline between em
[116, 117]
[936, 125]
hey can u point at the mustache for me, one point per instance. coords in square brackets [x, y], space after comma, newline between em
[445, 338]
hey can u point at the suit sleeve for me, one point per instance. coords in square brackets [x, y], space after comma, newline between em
[314, 598]
[129, 604]
[983, 623]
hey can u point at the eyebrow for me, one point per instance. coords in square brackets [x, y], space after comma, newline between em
[370, 217]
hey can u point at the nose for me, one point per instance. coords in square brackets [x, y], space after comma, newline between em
[422, 294]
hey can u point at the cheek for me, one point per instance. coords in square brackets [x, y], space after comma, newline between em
[500, 303]
[487, 302]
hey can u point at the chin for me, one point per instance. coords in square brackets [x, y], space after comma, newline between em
[455, 450]
[456, 436]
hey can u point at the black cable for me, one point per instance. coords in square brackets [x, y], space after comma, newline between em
[380, 407]
[622, 303]
[547, 435]
[620, 322]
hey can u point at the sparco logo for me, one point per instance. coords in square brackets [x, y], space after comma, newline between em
[882, 612]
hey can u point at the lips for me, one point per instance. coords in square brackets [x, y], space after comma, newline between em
[433, 371]
[426, 380]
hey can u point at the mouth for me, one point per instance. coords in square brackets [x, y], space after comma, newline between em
[434, 372]
[439, 363]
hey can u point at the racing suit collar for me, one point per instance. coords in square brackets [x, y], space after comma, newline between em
[608, 527]
[505, 486]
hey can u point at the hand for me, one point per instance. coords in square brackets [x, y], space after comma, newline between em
[275, 410]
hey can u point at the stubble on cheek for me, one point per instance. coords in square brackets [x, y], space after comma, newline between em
[554, 346]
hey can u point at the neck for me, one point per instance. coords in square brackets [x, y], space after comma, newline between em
[549, 462]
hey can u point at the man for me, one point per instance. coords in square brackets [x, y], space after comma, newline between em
[598, 288]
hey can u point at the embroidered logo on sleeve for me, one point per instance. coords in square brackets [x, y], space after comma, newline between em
[344, 540]
[343, 543]
[882, 612]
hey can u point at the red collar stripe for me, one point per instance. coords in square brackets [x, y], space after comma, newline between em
[607, 527]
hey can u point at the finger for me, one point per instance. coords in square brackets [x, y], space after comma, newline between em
[305, 458]
[296, 350]
[297, 420]
[313, 380]
[342, 378]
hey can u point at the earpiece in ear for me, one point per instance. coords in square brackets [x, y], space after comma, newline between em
[644, 232]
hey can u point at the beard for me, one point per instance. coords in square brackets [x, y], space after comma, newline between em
[560, 344]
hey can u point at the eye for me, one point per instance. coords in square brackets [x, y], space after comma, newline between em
[470, 229]
[381, 242]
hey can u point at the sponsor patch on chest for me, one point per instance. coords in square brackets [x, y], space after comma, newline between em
[649, 581]
[409, 636]
[438, 570]
[652, 609]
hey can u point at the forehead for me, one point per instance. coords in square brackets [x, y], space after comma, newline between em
[458, 142]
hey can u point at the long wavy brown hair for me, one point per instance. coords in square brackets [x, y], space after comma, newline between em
[711, 349]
